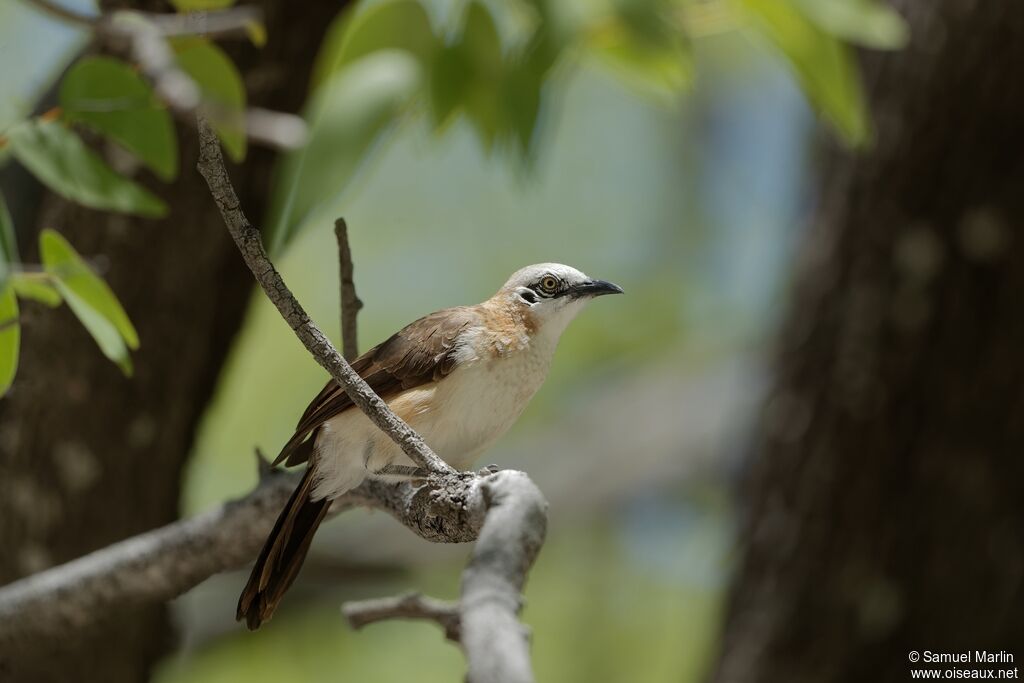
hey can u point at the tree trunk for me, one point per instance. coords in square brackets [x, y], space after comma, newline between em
[87, 456]
[886, 495]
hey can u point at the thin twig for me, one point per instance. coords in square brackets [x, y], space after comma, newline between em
[157, 64]
[59, 11]
[182, 95]
[233, 21]
[408, 606]
[274, 128]
[211, 167]
[350, 303]
[264, 468]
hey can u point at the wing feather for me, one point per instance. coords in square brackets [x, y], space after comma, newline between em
[419, 353]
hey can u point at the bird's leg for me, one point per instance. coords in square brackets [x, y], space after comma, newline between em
[410, 471]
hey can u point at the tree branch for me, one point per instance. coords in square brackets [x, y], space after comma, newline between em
[149, 48]
[59, 11]
[211, 167]
[485, 619]
[406, 606]
[163, 563]
[227, 22]
[233, 21]
[497, 646]
[350, 303]
[506, 511]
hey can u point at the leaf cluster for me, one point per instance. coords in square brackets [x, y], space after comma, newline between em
[491, 63]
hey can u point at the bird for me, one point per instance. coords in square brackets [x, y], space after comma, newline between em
[460, 377]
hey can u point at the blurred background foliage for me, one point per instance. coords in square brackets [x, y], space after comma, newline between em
[660, 144]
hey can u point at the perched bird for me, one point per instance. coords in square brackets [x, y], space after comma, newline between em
[460, 377]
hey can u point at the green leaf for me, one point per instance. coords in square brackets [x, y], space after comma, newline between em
[393, 24]
[867, 23]
[31, 286]
[110, 97]
[10, 338]
[59, 159]
[345, 117]
[822, 63]
[468, 75]
[658, 69]
[522, 89]
[521, 103]
[8, 242]
[222, 88]
[89, 297]
[499, 91]
[480, 47]
[194, 5]
[450, 78]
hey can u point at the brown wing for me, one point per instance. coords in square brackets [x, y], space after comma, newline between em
[419, 353]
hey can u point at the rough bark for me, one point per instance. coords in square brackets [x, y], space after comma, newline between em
[163, 563]
[503, 511]
[887, 490]
[88, 457]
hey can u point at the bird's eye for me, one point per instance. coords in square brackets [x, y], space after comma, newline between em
[549, 284]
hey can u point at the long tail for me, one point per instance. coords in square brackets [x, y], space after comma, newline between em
[282, 555]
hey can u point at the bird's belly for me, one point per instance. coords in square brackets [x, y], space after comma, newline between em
[459, 418]
[475, 406]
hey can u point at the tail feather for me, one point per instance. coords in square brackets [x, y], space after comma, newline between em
[297, 449]
[283, 553]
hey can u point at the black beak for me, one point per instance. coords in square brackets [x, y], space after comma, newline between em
[595, 288]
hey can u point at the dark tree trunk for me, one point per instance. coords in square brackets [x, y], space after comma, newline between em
[88, 457]
[887, 491]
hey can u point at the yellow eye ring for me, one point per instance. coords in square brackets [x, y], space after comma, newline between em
[549, 284]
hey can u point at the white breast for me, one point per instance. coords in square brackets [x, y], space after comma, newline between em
[459, 417]
[479, 402]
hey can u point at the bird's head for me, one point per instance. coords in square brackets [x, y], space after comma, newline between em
[552, 294]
